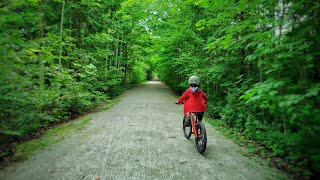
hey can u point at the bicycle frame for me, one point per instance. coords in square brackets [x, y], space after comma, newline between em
[193, 124]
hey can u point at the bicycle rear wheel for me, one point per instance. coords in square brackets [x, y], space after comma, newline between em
[201, 141]
[186, 129]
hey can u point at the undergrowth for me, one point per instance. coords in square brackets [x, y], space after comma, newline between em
[254, 148]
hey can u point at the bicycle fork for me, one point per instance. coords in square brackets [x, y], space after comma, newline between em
[193, 124]
[194, 128]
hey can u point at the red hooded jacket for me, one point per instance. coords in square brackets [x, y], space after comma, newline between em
[194, 101]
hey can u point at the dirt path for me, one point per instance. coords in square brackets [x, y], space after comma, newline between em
[140, 138]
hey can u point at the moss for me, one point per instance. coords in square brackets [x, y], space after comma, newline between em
[52, 136]
[57, 134]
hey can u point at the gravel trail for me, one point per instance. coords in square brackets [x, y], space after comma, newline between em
[140, 138]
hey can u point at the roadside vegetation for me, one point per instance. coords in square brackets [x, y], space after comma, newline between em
[259, 65]
[258, 62]
[61, 59]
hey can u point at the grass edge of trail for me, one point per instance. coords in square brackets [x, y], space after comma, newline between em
[22, 150]
[253, 148]
[54, 135]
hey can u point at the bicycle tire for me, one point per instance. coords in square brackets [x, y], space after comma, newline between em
[201, 141]
[186, 129]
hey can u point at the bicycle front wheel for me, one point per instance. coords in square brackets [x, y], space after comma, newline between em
[201, 141]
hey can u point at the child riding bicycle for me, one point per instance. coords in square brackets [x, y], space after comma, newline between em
[194, 99]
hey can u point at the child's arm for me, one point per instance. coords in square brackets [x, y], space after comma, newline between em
[184, 97]
[204, 96]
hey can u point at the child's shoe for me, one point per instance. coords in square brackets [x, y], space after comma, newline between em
[188, 122]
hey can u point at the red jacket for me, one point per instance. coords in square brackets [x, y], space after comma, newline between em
[194, 102]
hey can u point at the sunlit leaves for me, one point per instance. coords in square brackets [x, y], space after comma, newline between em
[258, 63]
[96, 60]
[92, 2]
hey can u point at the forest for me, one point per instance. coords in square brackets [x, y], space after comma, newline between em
[258, 61]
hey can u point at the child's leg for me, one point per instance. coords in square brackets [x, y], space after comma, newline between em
[188, 120]
[200, 116]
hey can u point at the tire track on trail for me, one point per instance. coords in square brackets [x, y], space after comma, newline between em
[140, 138]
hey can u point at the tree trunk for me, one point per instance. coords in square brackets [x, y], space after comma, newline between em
[70, 27]
[41, 31]
[125, 63]
[120, 51]
[260, 70]
[116, 53]
[107, 57]
[61, 31]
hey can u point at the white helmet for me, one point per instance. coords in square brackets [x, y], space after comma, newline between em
[194, 80]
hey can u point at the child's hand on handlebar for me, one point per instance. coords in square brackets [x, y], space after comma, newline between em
[178, 103]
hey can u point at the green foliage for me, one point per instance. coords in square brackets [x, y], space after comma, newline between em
[258, 61]
[56, 67]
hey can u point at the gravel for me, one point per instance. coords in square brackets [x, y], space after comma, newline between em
[141, 138]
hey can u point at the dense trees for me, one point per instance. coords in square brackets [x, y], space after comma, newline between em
[258, 61]
[259, 64]
[61, 58]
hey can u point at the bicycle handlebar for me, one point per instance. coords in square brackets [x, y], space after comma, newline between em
[183, 103]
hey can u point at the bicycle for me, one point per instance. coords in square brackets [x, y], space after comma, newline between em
[197, 128]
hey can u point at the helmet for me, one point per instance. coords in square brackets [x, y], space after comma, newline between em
[194, 80]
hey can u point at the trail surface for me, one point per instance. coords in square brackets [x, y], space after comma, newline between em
[140, 138]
